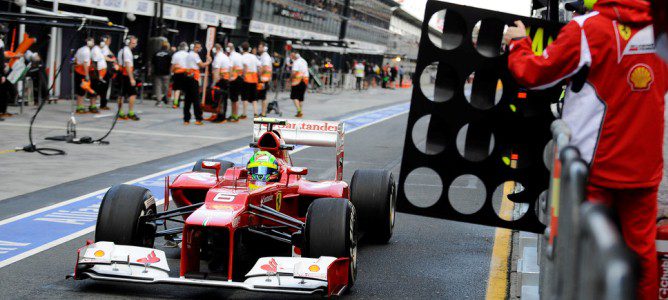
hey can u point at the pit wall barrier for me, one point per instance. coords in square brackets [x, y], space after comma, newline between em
[581, 254]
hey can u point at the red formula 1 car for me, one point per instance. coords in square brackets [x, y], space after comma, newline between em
[292, 235]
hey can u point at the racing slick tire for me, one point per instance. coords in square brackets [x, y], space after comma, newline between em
[373, 192]
[331, 230]
[118, 218]
[224, 165]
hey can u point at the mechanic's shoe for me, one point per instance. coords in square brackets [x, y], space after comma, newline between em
[199, 123]
[212, 118]
[133, 117]
[80, 110]
[186, 123]
[263, 115]
[219, 120]
[255, 115]
[93, 110]
[299, 115]
[104, 108]
[243, 117]
[175, 106]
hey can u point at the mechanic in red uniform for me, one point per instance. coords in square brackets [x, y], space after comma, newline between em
[614, 105]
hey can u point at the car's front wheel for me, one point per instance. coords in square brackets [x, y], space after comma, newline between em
[118, 220]
[331, 231]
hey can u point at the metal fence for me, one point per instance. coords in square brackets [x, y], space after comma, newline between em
[582, 254]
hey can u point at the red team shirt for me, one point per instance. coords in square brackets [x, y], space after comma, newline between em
[617, 118]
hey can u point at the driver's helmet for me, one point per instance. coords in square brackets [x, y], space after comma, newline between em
[262, 167]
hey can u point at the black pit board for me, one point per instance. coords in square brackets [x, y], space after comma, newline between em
[519, 126]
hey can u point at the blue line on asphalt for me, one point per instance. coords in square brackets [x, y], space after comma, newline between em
[23, 235]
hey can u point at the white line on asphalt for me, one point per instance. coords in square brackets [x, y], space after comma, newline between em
[148, 133]
[103, 115]
[92, 228]
[46, 246]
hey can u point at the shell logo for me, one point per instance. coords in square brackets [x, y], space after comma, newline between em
[99, 253]
[314, 268]
[640, 77]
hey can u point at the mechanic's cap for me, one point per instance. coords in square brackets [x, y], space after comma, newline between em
[576, 6]
[262, 166]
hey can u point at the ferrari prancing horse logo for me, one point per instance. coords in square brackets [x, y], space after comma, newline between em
[624, 31]
[279, 197]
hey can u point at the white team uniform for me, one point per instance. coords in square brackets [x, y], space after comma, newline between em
[98, 57]
[125, 58]
[250, 63]
[236, 60]
[179, 59]
[193, 60]
[82, 56]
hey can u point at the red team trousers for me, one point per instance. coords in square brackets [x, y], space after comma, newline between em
[636, 209]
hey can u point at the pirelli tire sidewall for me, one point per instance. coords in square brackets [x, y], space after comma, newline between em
[120, 211]
[331, 230]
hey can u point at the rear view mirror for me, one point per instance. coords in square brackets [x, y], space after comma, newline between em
[297, 171]
[213, 165]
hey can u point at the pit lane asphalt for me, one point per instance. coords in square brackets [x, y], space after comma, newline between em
[426, 258]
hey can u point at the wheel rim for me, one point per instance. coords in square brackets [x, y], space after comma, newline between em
[146, 238]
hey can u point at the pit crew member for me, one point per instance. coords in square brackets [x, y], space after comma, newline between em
[179, 71]
[221, 75]
[250, 79]
[191, 84]
[299, 81]
[615, 107]
[236, 82]
[266, 64]
[127, 81]
[82, 61]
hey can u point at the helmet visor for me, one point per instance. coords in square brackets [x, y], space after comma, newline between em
[263, 173]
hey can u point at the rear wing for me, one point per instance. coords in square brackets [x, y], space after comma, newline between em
[306, 132]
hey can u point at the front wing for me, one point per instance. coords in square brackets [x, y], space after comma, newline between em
[106, 261]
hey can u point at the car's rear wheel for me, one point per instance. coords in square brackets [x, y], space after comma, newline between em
[373, 192]
[224, 165]
[331, 231]
[118, 219]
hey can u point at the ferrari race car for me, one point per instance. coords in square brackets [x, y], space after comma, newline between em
[289, 235]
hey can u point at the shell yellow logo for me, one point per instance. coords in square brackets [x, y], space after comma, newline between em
[99, 253]
[314, 268]
[640, 77]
